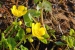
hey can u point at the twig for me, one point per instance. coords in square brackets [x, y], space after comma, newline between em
[37, 48]
[60, 29]
[42, 16]
[32, 46]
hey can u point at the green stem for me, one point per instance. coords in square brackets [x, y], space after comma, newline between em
[9, 30]
[34, 19]
[20, 42]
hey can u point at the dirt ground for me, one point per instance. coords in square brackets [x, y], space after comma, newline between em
[61, 20]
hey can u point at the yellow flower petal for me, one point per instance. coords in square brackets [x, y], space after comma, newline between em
[21, 8]
[20, 11]
[20, 22]
[14, 7]
[37, 30]
[42, 31]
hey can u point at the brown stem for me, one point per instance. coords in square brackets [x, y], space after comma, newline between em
[42, 16]
[37, 48]
[32, 46]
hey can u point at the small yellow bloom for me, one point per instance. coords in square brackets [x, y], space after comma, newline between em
[37, 30]
[31, 40]
[18, 11]
[20, 22]
[28, 30]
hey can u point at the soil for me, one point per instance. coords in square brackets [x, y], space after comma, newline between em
[62, 18]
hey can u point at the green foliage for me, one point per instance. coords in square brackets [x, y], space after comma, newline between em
[45, 5]
[14, 35]
[44, 40]
[33, 13]
[20, 34]
[47, 27]
[59, 43]
[8, 28]
[11, 43]
[3, 41]
[46, 36]
[23, 48]
[36, 1]
[72, 32]
[69, 40]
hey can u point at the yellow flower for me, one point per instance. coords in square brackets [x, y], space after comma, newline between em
[20, 22]
[28, 30]
[31, 40]
[37, 30]
[18, 11]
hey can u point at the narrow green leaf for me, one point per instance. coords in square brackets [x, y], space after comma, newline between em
[46, 35]
[44, 41]
[60, 43]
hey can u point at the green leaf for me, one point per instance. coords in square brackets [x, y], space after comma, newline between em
[34, 13]
[59, 43]
[46, 35]
[28, 24]
[43, 40]
[11, 43]
[47, 5]
[3, 41]
[23, 48]
[47, 27]
[70, 41]
[53, 35]
[8, 28]
[20, 34]
[74, 42]
[51, 31]
[63, 37]
[72, 32]
[27, 18]
[39, 6]
[36, 1]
